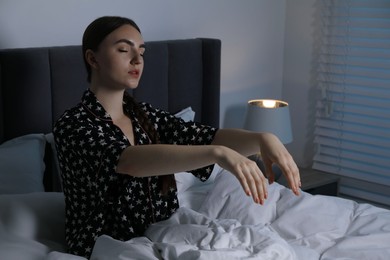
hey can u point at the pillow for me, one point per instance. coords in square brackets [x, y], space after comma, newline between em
[54, 171]
[32, 223]
[21, 164]
[227, 200]
[187, 114]
[191, 192]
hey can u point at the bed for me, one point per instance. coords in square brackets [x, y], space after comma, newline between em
[216, 219]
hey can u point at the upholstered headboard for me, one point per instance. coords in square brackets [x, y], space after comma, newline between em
[38, 84]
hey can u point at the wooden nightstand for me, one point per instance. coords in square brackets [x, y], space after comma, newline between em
[316, 182]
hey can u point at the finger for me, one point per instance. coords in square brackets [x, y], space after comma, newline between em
[291, 172]
[291, 181]
[294, 178]
[261, 185]
[297, 178]
[244, 184]
[252, 182]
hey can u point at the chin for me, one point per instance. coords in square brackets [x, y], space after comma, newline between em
[132, 86]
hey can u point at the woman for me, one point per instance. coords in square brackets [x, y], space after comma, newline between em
[117, 156]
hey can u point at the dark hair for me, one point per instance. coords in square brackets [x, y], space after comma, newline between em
[94, 34]
[98, 30]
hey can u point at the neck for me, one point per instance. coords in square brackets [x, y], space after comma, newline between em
[111, 100]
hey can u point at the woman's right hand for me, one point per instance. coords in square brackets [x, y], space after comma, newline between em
[246, 171]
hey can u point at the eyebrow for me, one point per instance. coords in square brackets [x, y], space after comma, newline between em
[129, 42]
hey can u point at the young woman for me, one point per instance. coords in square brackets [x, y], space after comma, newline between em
[118, 157]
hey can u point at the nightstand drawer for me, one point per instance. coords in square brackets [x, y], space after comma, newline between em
[330, 189]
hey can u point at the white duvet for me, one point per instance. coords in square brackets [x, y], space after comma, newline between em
[228, 225]
[223, 223]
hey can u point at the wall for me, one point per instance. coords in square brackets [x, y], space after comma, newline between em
[252, 35]
[298, 76]
[266, 45]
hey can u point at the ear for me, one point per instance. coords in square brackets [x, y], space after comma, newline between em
[91, 58]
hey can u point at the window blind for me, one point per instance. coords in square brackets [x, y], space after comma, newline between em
[352, 128]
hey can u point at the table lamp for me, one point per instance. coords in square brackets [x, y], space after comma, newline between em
[268, 115]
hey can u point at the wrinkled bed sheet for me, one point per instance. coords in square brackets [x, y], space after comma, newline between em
[191, 235]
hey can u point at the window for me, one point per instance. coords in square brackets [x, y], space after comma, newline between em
[352, 130]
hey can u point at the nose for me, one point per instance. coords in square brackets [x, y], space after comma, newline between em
[137, 59]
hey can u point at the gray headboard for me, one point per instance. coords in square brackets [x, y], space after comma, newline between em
[38, 84]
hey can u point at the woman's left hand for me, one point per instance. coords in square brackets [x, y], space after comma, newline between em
[273, 151]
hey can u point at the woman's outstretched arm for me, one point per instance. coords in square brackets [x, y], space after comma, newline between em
[228, 149]
[162, 159]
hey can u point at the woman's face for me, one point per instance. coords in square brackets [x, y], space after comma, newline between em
[119, 59]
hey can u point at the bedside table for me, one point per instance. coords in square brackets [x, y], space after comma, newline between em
[316, 182]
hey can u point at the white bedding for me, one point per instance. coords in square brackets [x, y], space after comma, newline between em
[228, 225]
[218, 221]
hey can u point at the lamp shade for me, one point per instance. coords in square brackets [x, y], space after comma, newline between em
[273, 116]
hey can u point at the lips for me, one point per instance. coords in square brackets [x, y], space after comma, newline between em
[134, 73]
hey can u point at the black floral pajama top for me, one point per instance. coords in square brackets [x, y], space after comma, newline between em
[99, 200]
